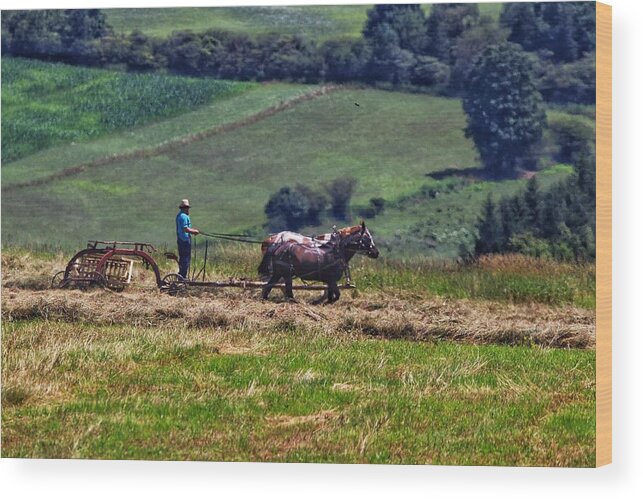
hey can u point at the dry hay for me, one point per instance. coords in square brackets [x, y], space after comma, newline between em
[374, 315]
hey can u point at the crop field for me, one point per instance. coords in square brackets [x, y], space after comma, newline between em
[317, 22]
[389, 374]
[38, 113]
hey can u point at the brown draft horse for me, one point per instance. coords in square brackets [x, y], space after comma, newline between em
[286, 235]
[325, 263]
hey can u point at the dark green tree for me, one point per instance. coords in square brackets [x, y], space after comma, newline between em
[344, 60]
[287, 209]
[525, 24]
[83, 25]
[388, 61]
[341, 191]
[430, 71]
[56, 33]
[406, 20]
[574, 135]
[445, 24]
[569, 82]
[532, 202]
[317, 203]
[505, 116]
[470, 45]
[561, 31]
[489, 230]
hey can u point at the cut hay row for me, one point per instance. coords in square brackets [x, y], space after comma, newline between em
[374, 315]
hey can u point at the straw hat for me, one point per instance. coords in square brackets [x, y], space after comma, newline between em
[184, 203]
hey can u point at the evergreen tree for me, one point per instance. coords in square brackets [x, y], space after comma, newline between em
[532, 202]
[504, 109]
[488, 240]
[562, 31]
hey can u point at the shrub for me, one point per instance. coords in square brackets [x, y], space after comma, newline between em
[287, 209]
[340, 191]
[574, 135]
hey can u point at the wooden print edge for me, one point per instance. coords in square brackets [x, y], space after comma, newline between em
[603, 234]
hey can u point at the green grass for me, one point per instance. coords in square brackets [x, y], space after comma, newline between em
[38, 112]
[290, 396]
[318, 22]
[247, 100]
[314, 142]
[505, 278]
[390, 142]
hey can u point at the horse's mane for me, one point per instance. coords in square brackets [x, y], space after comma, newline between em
[348, 231]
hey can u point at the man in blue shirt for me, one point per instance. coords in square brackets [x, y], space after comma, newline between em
[184, 232]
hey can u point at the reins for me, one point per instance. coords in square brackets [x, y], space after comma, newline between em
[240, 238]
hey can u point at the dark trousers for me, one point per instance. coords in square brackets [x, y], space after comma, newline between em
[185, 253]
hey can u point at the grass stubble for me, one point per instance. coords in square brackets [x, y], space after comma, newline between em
[380, 377]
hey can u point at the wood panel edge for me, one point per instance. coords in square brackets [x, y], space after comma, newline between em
[603, 234]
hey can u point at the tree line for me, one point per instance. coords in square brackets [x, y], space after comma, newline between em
[559, 222]
[400, 46]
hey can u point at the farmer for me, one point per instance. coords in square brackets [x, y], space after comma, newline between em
[184, 231]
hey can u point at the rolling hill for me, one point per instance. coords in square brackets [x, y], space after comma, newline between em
[229, 155]
[314, 21]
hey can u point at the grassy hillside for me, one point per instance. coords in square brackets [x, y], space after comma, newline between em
[230, 155]
[37, 111]
[389, 143]
[23, 96]
[317, 22]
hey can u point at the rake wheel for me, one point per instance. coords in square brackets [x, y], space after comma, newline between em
[173, 284]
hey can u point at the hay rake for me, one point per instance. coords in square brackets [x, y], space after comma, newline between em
[109, 264]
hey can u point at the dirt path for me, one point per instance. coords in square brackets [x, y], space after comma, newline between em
[175, 143]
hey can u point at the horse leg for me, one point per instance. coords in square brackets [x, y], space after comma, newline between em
[269, 285]
[288, 289]
[333, 292]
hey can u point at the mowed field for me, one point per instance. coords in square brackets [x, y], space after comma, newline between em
[230, 154]
[317, 22]
[390, 374]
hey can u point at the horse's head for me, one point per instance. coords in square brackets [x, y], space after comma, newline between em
[360, 240]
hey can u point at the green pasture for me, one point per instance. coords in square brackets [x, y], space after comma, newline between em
[290, 396]
[244, 100]
[389, 141]
[319, 22]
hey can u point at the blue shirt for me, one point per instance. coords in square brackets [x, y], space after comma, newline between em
[182, 221]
